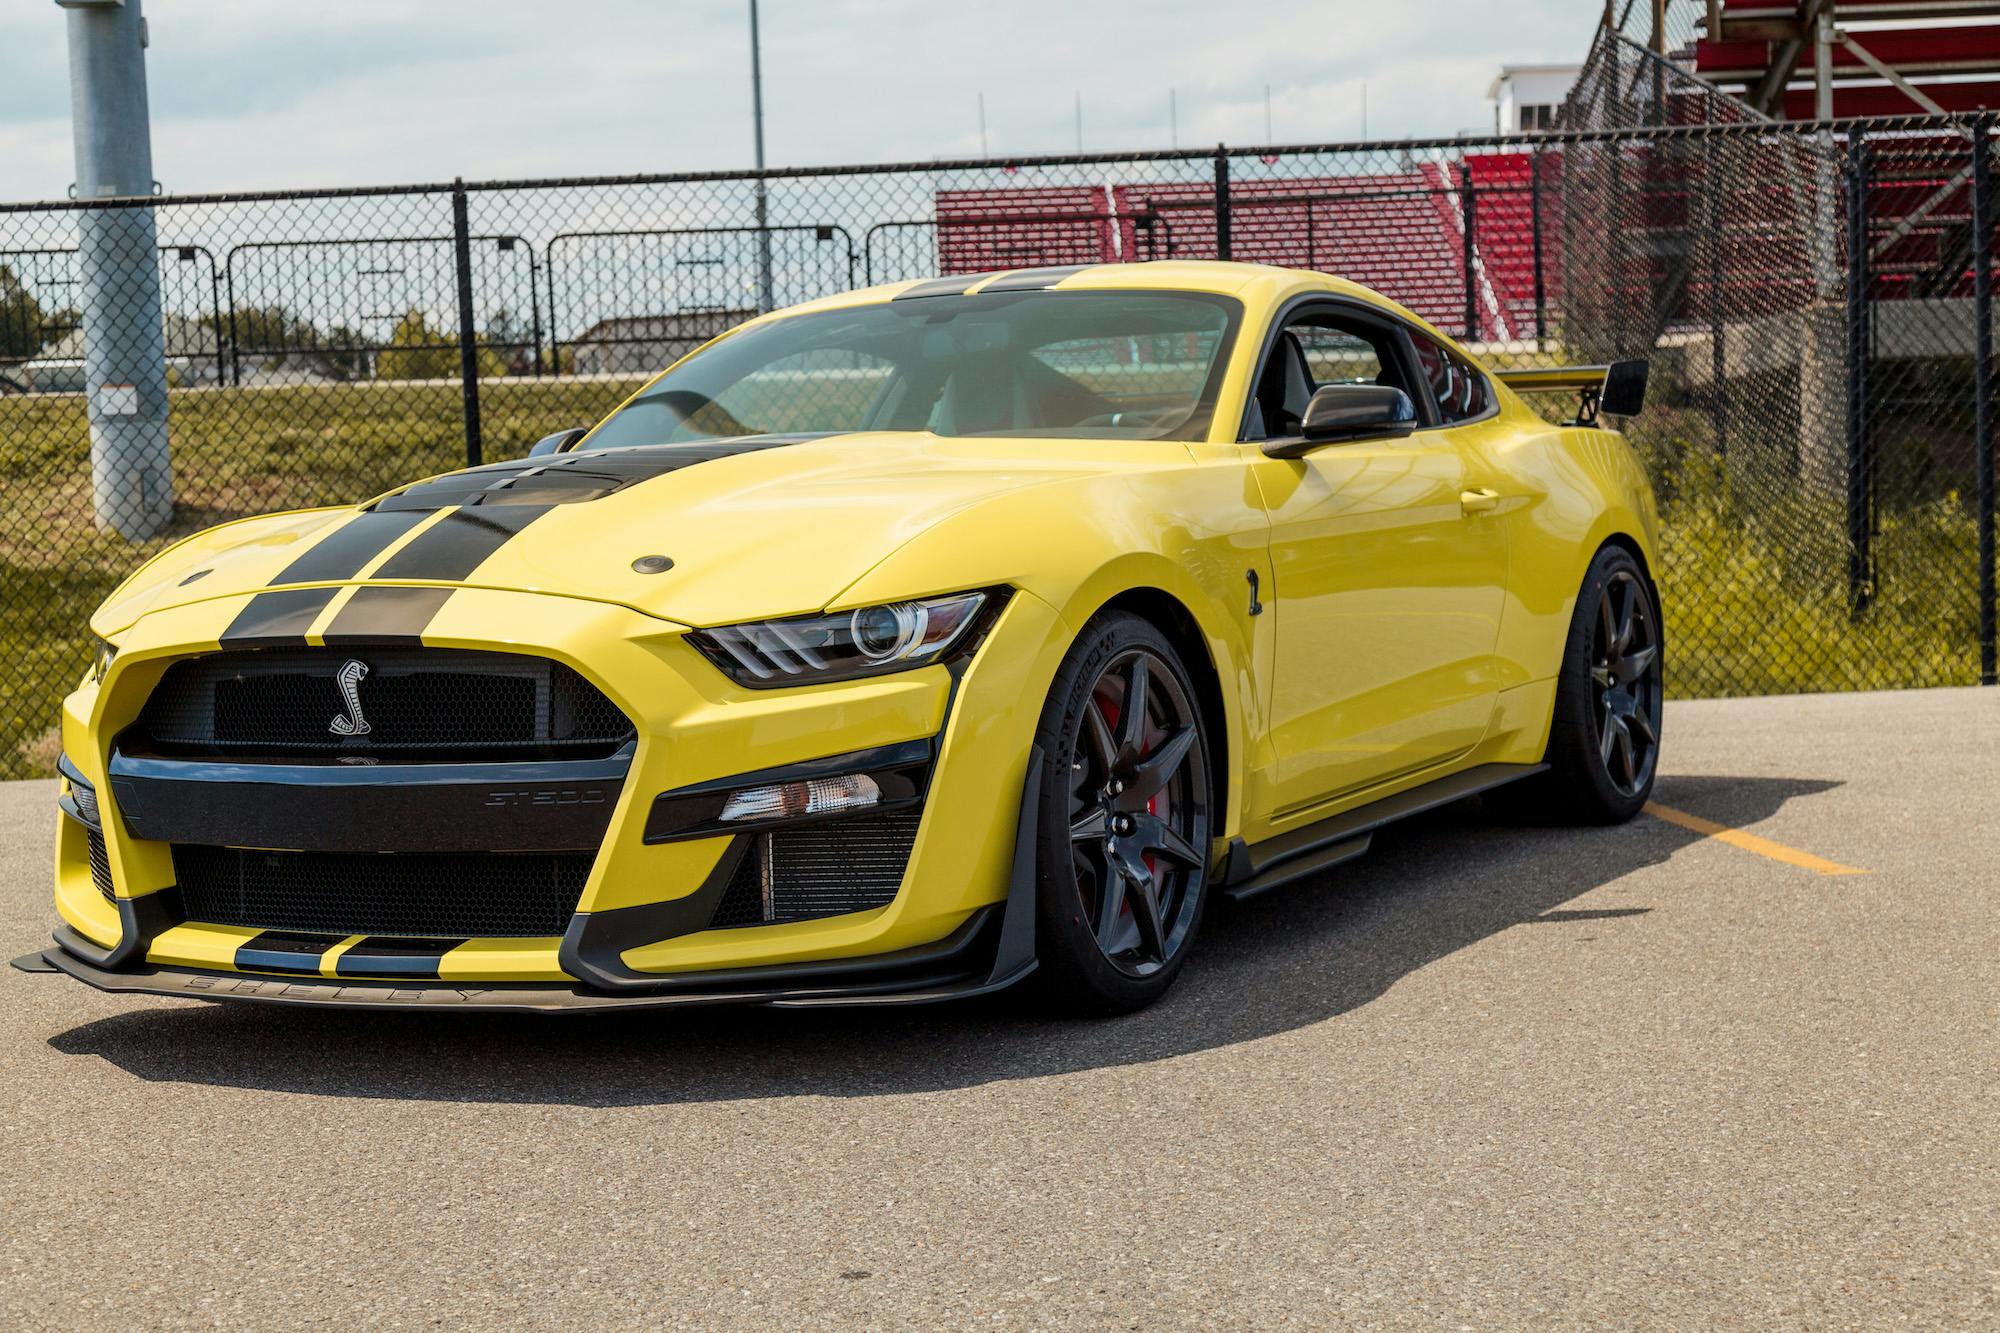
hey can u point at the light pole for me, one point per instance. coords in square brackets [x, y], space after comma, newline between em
[764, 297]
[124, 344]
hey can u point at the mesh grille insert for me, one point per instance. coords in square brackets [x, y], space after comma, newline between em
[495, 894]
[100, 865]
[849, 865]
[417, 703]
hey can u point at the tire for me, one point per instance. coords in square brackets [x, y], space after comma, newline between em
[1604, 735]
[1122, 870]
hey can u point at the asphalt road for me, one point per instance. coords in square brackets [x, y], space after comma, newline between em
[1486, 1077]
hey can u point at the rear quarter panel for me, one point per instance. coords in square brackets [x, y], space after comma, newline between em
[1568, 490]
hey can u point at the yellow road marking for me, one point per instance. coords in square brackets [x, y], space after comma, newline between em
[1750, 842]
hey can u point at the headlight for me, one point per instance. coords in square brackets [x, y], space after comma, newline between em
[106, 650]
[846, 644]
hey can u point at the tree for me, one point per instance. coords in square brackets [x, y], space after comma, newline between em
[22, 325]
[348, 352]
[513, 338]
[270, 329]
[417, 351]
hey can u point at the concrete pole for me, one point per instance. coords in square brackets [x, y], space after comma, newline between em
[1823, 380]
[124, 347]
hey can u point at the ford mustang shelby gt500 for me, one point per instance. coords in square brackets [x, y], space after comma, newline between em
[892, 647]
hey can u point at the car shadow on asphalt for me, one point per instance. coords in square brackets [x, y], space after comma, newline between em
[1301, 955]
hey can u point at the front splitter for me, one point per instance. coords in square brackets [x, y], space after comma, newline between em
[496, 997]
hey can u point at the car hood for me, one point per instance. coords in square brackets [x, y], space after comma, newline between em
[763, 526]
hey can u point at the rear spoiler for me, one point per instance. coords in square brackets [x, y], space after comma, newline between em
[1619, 388]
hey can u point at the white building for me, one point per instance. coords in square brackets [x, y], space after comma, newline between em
[1525, 97]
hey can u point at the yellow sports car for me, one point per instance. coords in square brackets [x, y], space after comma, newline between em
[904, 645]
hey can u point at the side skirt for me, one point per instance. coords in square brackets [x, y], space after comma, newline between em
[1249, 870]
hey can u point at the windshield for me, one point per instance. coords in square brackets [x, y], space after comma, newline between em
[1110, 364]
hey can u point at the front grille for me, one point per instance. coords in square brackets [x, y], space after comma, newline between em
[848, 865]
[418, 703]
[490, 894]
[100, 864]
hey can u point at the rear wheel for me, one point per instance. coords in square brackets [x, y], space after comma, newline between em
[1604, 737]
[1125, 817]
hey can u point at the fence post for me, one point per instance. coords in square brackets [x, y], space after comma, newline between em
[468, 346]
[1535, 231]
[235, 348]
[1718, 356]
[1982, 370]
[1224, 249]
[535, 310]
[1469, 212]
[1858, 517]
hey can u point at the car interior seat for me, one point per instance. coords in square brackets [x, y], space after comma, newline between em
[1283, 391]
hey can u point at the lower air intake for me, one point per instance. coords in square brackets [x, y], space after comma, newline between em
[382, 895]
[100, 865]
[831, 869]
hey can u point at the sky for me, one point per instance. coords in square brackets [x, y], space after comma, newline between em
[267, 94]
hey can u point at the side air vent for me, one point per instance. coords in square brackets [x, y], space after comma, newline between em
[849, 865]
[100, 865]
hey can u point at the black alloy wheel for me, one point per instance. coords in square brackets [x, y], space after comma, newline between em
[1127, 811]
[1625, 683]
[1604, 732]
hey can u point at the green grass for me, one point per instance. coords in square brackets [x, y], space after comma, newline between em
[1754, 567]
[1755, 592]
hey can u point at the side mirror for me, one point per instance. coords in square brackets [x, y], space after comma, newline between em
[556, 443]
[1339, 413]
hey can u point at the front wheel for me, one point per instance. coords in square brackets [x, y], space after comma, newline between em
[1604, 737]
[1125, 817]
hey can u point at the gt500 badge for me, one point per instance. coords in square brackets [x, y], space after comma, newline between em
[547, 796]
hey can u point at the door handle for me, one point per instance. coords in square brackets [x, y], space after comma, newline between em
[1477, 502]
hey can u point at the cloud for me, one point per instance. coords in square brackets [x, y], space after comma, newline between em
[247, 94]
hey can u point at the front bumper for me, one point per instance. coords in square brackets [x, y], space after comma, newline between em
[990, 952]
[960, 923]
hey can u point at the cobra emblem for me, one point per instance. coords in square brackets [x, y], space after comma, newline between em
[350, 723]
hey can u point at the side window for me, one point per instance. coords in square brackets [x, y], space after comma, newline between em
[1314, 350]
[1338, 356]
[1458, 386]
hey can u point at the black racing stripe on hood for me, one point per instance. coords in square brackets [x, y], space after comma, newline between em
[572, 478]
[342, 553]
[277, 617]
[385, 615]
[460, 542]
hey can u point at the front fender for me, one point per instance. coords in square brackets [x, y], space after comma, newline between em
[1080, 547]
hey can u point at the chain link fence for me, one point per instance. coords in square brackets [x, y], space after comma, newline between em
[1812, 300]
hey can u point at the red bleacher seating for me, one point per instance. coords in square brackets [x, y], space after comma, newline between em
[1503, 232]
[982, 230]
[1399, 232]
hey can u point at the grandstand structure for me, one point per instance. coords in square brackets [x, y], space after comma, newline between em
[1464, 239]
[1848, 59]
[1473, 240]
